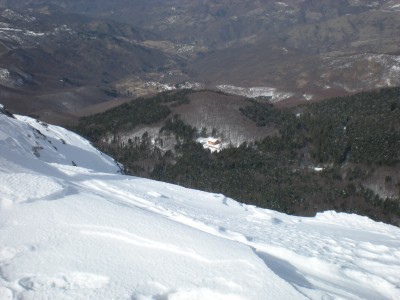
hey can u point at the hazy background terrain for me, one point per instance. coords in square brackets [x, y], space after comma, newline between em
[85, 52]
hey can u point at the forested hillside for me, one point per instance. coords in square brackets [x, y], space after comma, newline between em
[341, 154]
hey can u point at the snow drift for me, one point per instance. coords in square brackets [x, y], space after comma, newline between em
[71, 227]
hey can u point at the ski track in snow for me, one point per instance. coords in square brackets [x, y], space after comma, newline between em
[85, 233]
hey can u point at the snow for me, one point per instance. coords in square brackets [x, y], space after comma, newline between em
[308, 97]
[161, 87]
[4, 73]
[60, 145]
[254, 92]
[282, 3]
[87, 232]
[184, 48]
[13, 15]
[7, 30]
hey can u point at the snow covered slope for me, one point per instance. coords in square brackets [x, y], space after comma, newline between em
[86, 232]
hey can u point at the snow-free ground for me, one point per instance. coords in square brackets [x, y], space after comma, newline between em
[71, 227]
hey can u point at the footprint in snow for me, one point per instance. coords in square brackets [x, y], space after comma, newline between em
[71, 281]
[7, 253]
[156, 195]
[276, 221]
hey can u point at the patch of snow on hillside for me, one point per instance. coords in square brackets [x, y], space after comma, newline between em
[185, 48]
[253, 92]
[282, 4]
[373, 4]
[189, 85]
[4, 73]
[18, 35]
[32, 33]
[308, 97]
[171, 20]
[62, 28]
[391, 5]
[15, 16]
[162, 87]
[69, 232]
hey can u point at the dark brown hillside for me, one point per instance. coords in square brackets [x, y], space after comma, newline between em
[211, 110]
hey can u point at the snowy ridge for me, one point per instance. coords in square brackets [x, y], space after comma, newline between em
[86, 232]
[28, 137]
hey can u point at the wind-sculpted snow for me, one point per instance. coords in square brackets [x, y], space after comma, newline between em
[68, 232]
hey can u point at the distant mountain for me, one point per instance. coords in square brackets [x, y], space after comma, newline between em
[295, 51]
[72, 228]
[60, 63]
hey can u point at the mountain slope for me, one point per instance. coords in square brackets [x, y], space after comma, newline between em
[68, 232]
[340, 154]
